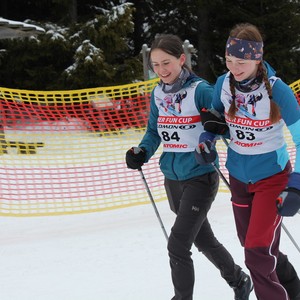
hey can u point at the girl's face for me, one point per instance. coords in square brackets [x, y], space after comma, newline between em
[242, 69]
[167, 67]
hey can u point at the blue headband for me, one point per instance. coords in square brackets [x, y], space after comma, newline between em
[244, 49]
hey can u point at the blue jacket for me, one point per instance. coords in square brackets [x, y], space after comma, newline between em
[252, 168]
[177, 165]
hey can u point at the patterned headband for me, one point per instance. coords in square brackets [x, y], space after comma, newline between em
[244, 49]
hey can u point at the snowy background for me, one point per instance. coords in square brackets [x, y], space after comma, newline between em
[112, 255]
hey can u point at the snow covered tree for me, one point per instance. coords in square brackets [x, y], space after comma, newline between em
[103, 56]
[206, 25]
[94, 53]
[92, 42]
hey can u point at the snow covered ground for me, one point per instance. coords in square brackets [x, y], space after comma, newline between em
[111, 255]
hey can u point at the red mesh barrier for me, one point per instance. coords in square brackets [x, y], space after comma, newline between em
[63, 152]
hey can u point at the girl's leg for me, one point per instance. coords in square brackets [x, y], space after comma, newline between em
[191, 200]
[215, 252]
[261, 237]
[288, 276]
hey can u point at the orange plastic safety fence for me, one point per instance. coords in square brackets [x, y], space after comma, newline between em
[62, 152]
[296, 88]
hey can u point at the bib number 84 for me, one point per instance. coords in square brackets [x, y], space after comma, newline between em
[167, 137]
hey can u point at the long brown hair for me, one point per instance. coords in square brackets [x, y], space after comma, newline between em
[249, 32]
[168, 43]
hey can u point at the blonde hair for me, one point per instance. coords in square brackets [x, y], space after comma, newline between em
[249, 32]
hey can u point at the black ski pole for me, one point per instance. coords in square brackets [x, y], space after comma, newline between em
[153, 203]
[290, 236]
[227, 184]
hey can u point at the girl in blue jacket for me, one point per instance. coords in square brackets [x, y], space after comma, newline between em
[175, 123]
[256, 105]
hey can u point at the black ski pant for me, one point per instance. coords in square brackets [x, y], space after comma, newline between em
[191, 200]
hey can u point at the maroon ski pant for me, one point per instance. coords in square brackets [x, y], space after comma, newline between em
[258, 227]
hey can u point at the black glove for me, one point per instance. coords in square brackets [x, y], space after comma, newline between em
[205, 152]
[135, 157]
[213, 121]
[288, 202]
